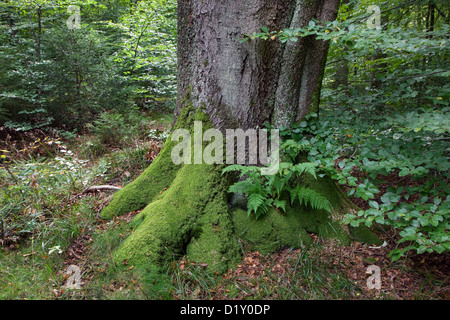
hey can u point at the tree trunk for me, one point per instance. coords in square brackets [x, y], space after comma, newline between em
[228, 84]
[38, 47]
[249, 84]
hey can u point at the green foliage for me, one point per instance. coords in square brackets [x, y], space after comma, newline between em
[264, 192]
[54, 76]
[389, 86]
[102, 128]
[360, 152]
[402, 65]
[33, 193]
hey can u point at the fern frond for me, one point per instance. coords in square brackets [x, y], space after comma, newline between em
[296, 145]
[307, 167]
[264, 208]
[275, 184]
[280, 204]
[243, 169]
[256, 202]
[307, 196]
[241, 187]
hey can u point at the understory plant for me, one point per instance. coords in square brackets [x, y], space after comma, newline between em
[361, 154]
[266, 191]
[409, 153]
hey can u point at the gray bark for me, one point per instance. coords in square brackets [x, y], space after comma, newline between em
[249, 84]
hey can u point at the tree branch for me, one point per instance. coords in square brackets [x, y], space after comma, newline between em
[103, 187]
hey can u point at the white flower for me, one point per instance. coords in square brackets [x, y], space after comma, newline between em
[55, 248]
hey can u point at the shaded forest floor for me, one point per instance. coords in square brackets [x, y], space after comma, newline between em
[31, 267]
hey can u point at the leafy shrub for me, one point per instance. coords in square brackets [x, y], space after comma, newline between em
[360, 151]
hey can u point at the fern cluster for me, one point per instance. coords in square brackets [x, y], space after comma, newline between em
[264, 192]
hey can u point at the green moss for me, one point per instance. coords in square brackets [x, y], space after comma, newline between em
[213, 241]
[191, 217]
[195, 204]
[203, 117]
[342, 205]
[158, 176]
[276, 230]
[270, 233]
[150, 183]
[364, 234]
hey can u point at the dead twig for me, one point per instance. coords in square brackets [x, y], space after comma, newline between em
[103, 187]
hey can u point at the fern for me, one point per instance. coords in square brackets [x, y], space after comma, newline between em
[307, 196]
[280, 204]
[306, 167]
[292, 148]
[276, 185]
[241, 187]
[264, 192]
[258, 203]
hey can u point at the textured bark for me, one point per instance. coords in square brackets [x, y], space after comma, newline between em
[249, 84]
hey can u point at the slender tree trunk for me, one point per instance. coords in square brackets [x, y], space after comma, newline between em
[38, 47]
[427, 59]
[342, 72]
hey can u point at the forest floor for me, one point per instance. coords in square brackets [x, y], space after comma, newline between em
[320, 271]
[323, 270]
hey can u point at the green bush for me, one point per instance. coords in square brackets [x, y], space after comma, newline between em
[359, 152]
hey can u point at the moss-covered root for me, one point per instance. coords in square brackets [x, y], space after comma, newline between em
[140, 192]
[276, 230]
[191, 218]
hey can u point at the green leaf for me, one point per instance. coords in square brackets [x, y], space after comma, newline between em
[310, 197]
[255, 201]
[280, 204]
[374, 204]
[354, 223]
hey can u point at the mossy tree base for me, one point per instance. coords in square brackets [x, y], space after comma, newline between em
[186, 212]
[193, 218]
[190, 218]
[136, 195]
[276, 229]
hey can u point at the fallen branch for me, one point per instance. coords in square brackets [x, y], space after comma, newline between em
[104, 187]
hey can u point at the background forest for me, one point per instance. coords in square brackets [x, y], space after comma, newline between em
[93, 106]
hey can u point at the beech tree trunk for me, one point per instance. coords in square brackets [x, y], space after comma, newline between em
[249, 84]
[230, 85]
